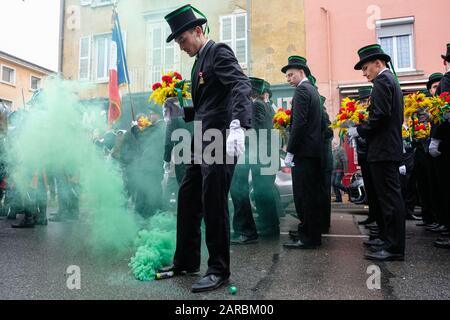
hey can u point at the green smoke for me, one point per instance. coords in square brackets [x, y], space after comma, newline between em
[52, 136]
[155, 246]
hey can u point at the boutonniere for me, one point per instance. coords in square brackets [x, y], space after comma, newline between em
[200, 74]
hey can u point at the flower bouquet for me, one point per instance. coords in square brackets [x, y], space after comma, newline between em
[439, 107]
[172, 85]
[350, 114]
[415, 103]
[282, 121]
[419, 130]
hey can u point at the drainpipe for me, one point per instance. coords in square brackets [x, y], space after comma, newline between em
[61, 35]
[249, 56]
[329, 56]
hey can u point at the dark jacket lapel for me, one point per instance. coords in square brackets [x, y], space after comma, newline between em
[199, 67]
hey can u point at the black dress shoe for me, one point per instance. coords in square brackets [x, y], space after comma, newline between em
[445, 234]
[384, 255]
[209, 282]
[179, 271]
[374, 228]
[374, 242]
[445, 244]
[439, 229]
[298, 244]
[366, 222]
[243, 239]
[431, 226]
[413, 217]
[24, 224]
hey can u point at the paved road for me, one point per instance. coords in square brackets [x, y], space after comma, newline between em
[33, 265]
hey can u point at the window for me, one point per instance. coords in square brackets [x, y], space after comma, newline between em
[102, 45]
[8, 75]
[162, 56]
[7, 103]
[233, 31]
[84, 67]
[396, 38]
[35, 83]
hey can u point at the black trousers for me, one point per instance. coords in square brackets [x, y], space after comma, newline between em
[265, 201]
[423, 173]
[374, 208]
[243, 222]
[442, 185]
[325, 202]
[204, 194]
[306, 185]
[386, 182]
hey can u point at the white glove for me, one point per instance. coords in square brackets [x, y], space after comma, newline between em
[447, 116]
[166, 167]
[236, 139]
[402, 170]
[288, 160]
[353, 132]
[433, 148]
[171, 109]
[134, 123]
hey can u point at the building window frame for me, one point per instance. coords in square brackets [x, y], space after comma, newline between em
[7, 100]
[31, 82]
[232, 42]
[12, 83]
[406, 21]
[106, 56]
[154, 70]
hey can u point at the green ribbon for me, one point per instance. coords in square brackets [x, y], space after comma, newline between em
[203, 16]
[179, 90]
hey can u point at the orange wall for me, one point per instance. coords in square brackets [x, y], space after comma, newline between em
[14, 92]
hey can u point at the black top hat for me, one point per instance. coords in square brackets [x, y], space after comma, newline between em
[364, 92]
[296, 62]
[183, 19]
[259, 85]
[435, 77]
[370, 53]
[447, 56]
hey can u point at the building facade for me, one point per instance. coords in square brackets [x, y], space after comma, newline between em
[19, 79]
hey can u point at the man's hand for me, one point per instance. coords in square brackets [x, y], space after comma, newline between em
[134, 123]
[289, 160]
[171, 109]
[402, 170]
[236, 139]
[353, 132]
[166, 167]
[433, 148]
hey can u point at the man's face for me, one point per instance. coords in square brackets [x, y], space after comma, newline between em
[294, 76]
[434, 88]
[189, 41]
[371, 69]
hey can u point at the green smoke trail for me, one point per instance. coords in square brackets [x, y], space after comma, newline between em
[52, 136]
[155, 246]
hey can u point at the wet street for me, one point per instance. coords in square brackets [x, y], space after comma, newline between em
[34, 262]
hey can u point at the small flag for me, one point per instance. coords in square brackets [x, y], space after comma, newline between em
[118, 72]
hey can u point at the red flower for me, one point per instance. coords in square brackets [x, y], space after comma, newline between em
[288, 112]
[447, 99]
[156, 86]
[443, 95]
[360, 116]
[344, 116]
[350, 104]
[177, 76]
[280, 122]
[351, 109]
[167, 79]
[280, 109]
[274, 120]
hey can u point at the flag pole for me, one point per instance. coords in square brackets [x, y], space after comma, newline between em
[133, 117]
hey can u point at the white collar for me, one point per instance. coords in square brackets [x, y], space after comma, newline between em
[202, 48]
[306, 79]
[383, 70]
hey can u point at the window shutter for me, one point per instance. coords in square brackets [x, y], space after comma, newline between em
[85, 61]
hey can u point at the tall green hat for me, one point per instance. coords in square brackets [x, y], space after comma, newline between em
[364, 92]
[370, 53]
[296, 62]
[446, 57]
[435, 77]
[183, 19]
[259, 85]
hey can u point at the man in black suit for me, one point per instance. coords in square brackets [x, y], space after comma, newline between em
[383, 132]
[440, 150]
[221, 101]
[304, 152]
